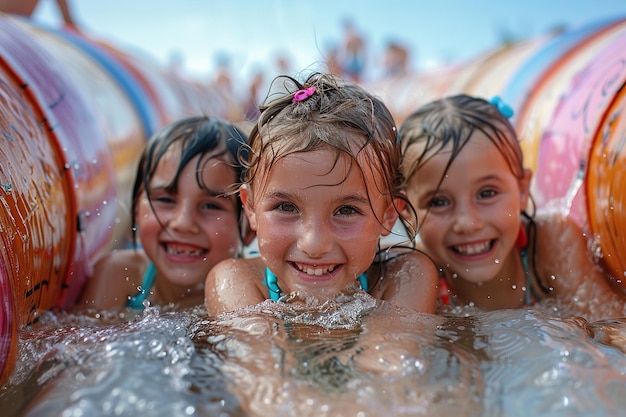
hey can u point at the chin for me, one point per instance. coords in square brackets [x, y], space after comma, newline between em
[477, 276]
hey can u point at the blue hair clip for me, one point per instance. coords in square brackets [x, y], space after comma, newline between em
[502, 107]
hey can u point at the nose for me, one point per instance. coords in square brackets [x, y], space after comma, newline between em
[466, 219]
[183, 219]
[315, 238]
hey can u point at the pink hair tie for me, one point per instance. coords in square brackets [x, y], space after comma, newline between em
[303, 94]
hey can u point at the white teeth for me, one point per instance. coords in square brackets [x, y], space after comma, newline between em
[314, 271]
[473, 249]
[173, 251]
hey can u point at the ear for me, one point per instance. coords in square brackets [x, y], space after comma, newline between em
[246, 201]
[524, 186]
[390, 215]
[405, 210]
[247, 234]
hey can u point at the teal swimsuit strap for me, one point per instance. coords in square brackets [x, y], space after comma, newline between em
[531, 295]
[524, 256]
[276, 293]
[136, 301]
[363, 282]
[272, 285]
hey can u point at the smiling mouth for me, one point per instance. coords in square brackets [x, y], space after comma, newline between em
[316, 271]
[474, 248]
[183, 251]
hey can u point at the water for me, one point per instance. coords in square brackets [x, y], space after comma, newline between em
[352, 356]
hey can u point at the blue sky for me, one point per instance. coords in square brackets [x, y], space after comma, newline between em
[254, 32]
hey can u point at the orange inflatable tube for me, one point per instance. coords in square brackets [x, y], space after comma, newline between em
[74, 119]
[67, 160]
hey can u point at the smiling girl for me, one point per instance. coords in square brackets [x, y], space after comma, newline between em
[320, 190]
[465, 176]
[185, 216]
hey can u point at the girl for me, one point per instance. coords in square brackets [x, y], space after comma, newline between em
[464, 174]
[185, 215]
[321, 188]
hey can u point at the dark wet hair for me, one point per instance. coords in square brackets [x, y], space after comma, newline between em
[209, 137]
[335, 114]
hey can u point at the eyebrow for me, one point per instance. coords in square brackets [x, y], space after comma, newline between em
[356, 198]
[208, 191]
[281, 195]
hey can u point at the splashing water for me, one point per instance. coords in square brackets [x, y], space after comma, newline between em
[351, 356]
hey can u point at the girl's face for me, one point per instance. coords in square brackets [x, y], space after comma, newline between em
[189, 231]
[470, 224]
[316, 224]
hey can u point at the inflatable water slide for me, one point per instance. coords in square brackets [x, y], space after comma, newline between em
[75, 114]
[568, 92]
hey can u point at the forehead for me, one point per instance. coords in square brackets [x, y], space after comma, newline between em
[210, 166]
[322, 165]
[478, 155]
[169, 160]
[316, 163]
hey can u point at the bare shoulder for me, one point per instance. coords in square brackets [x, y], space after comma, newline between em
[409, 279]
[561, 245]
[567, 263]
[234, 284]
[114, 277]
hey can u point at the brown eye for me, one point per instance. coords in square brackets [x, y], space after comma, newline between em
[287, 207]
[487, 193]
[438, 202]
[347, 211]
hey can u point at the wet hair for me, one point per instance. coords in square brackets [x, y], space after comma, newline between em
[450, 122]
[210, 138]
[336, 114]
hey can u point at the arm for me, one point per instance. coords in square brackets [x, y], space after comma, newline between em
[66, 13]
[566, 263]
[410, 281]
[234, 284]
[115, 277]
